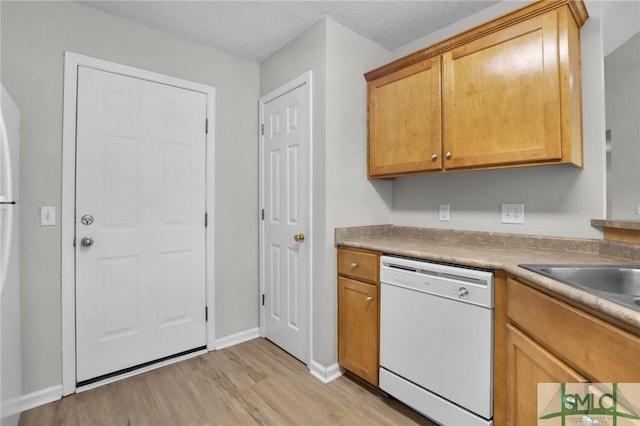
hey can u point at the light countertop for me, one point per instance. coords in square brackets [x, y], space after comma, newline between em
[498, 252]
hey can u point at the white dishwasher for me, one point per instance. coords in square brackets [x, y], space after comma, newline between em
[436, 339]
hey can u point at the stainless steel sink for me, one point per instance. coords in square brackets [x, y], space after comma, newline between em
[617, 283]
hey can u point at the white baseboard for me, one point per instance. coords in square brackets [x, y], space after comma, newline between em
[54, 393]
[235, 339]
[325, 374]
[41, 397]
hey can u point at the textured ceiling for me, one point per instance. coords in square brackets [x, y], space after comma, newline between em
[256, 29]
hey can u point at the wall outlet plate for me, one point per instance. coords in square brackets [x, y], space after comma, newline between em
[444, 213]
[513, 213]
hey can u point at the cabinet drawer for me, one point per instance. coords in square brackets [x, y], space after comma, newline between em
[358, 264]
[598, 350]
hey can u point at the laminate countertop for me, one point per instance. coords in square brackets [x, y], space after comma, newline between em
[498, 252]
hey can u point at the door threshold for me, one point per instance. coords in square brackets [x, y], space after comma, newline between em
[139, 369]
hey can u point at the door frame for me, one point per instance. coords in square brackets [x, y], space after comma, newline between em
[67, 212]
[303, 80]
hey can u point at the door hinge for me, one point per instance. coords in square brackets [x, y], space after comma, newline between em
[206, 313]
[206, 219]
[262, 129]
[206, 125]
[262, 215]
[263, 300]
[74, 242]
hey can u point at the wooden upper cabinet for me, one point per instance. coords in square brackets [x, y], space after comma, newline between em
[507, 93]
[405, 121]
[502, 97]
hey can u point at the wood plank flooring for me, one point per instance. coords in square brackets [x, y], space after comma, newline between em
[254, 383]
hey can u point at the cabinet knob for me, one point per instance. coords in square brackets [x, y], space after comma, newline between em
[354, 265]
[434, 157]
[448, 155]
[369, 299]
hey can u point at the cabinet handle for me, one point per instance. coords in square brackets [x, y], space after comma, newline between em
[354, 265]
[434, 157]
[448, 155]
[369, 299]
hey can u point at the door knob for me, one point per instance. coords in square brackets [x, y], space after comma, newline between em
[299, 238]
[86, 242]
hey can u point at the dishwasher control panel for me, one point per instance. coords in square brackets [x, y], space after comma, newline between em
[464, 284]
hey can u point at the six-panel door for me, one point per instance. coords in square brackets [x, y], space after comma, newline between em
[140, 232]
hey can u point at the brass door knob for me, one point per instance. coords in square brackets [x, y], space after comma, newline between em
[299, 238]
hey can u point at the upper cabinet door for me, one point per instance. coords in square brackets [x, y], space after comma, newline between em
[405, 121]
[502, 97]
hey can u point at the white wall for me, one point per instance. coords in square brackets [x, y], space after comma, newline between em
[351, 199]
[559, 200]
[342, 196]
[620, 22]
[622, 88]
[34, 36]
[308, 52]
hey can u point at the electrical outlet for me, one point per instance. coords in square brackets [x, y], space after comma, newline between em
[637, 209]
[513, 213]
[444, 213]
[47, 216]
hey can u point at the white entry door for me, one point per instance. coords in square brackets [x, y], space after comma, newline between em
[140, 222]
[285, 244]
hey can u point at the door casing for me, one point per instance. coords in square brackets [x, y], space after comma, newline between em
[303, 80]
[67, 213]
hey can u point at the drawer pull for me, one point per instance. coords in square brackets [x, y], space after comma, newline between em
[369, 299]
[354, 265]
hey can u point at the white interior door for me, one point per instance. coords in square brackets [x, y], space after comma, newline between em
[286, 286]
[140, 197]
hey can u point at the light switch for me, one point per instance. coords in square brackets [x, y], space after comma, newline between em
[47, 216]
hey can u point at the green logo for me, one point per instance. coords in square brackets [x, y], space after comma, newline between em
[583, 403]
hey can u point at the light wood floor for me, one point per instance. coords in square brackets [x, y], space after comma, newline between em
[247, 384]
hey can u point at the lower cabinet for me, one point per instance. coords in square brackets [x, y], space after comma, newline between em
[528, 364]
[358, 325]
[545, 340]
[359, 313]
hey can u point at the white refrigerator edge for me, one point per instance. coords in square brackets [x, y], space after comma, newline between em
[10, 339]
